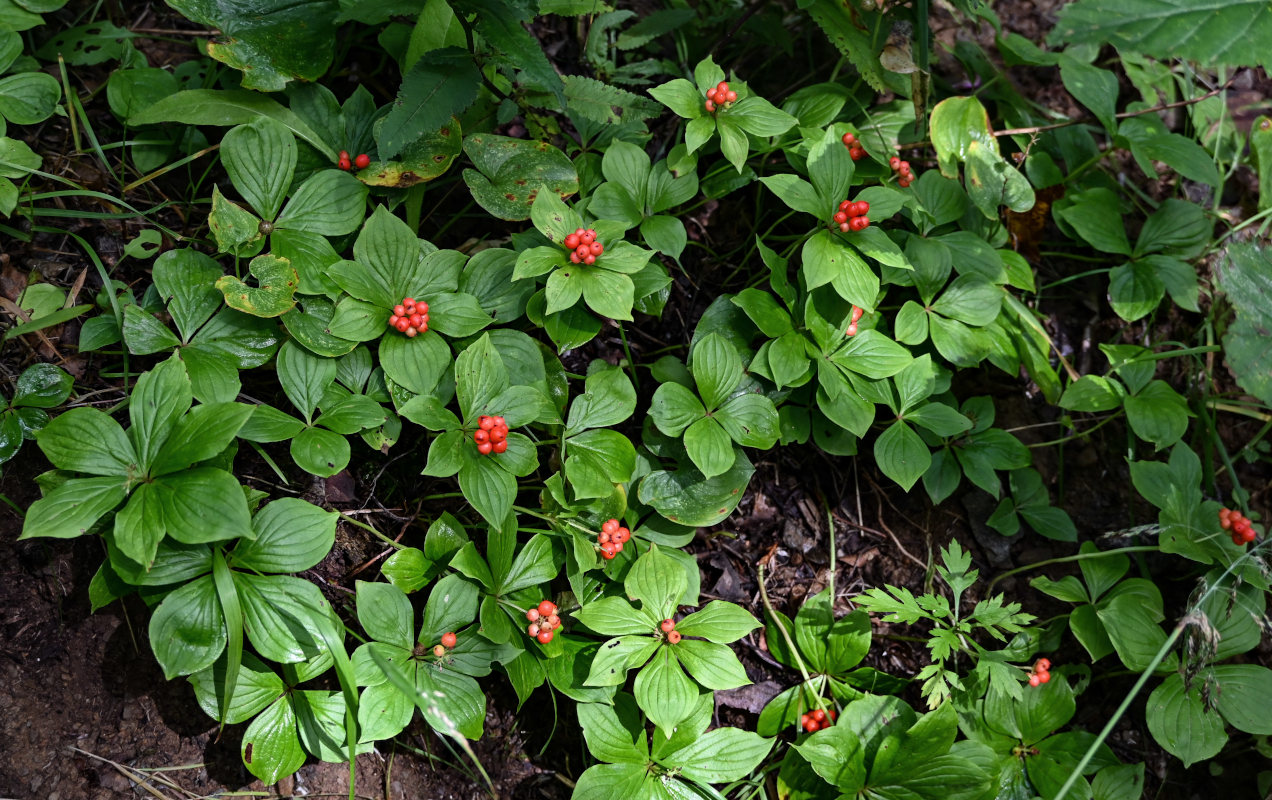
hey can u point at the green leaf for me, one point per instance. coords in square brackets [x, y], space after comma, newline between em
[272, 41]
[1218, 34]
[712, 665]
[971, 299]
[613, 782]
[604, 103]
[227, 107]
[260, 158]
[957, 123]
[902, 455]
[535, 565]
[614, 733]
[750, 419]
[993, 182]
[836, 754]
[664, 692]
[758, 117]
[709, 447]
[271, 748]
[160, 398]
[1158, 414]
[255, 689]
[682, 97]
[291, 536]
[48, 386]
[1243, 695]
[488, 487]
[719, 756]
[657, 581]
[320, 452]
[329, 202]
[717, 369]
[1246, 279]
[1092, 393]
[72, 508]
[203, 504]
[795, 192]
[515, 167]
[282, 616]
[201, 434]
[1181, 724]
[440, 84]
[276, 281]
[846, 33]
[86, 440]
[597, 460]
[826, 259]
[139, 526]
[684, 496]
[187, 631]
[1134, 290]
[1130, 614]
[674, 408]
[1093, 87]
[185, 279]
[29, 98]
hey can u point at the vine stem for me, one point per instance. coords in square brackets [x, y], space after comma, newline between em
[1147, 548]
[392, 543]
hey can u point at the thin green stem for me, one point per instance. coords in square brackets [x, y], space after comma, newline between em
[1066, 559]
[366, 527]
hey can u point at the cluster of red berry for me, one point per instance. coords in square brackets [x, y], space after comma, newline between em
[1233, 520]
[857, 311]
[362, 161]
[904, 176]
[721, 95]
[543, 621]
[1041, 672]
[612, 538]
[668, 626]
[816, 720]
[852, 216]
[583, 246]
[491, 435]
[854, 147]
[410, 317]
[448, 642]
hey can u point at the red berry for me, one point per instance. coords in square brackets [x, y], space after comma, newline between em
[533, 629]
[499, 447]
[588, 236]
[362, 161]
[831, 713]
[857, 153]
[547, 608]
[533, 614]
[480, 436]
[484, 448]
[412, 332]
[849, 139]
[417, 320]
[572, 241]
[344, 164]
[408, 301]
[811, 726]
[618, 547]
[400, 310]
[602, 537]
[344, 153]
[843, 226]
[498, 434]
[499, 421]
[803, 718]
[608, 551]
[393, 320]
[710, 106]
[1044, 676]
[610, 525]
[674, 637]
[852, 330]
[1043, 664]
[722, 86]
[857, 311]
[402, 324]
[439, 651]
[590, 260]
[860, 208]
[449, 638]
[731, 96]
[544, 637]
[904, 183]
[667, 625]
[858, 223]
[1034, 680]
[841, 217]
[819, 715]
[554, 621]
[596, 248]
[711, 93]
[845, 205]
[622, 535]
[574, 258]
[485, 423]
[894, 162]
